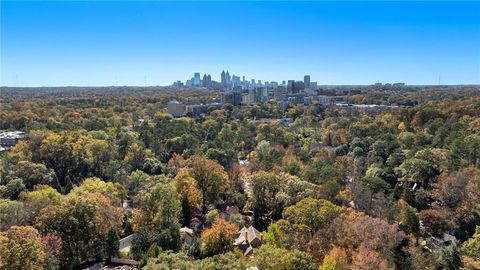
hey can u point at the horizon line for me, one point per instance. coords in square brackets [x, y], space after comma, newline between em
[171, 86]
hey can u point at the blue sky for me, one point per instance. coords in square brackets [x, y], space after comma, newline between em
[128, 43]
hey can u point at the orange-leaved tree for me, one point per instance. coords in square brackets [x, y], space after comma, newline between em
[219, 238]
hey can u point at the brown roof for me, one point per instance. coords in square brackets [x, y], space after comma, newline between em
[253, 234]
[248, 238]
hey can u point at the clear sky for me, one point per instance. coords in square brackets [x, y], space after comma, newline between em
[130, 43]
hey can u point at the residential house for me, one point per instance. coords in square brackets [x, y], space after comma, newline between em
[247, 239]
[187, 235]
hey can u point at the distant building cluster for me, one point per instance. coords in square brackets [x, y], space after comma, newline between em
[235, 83]
[291, 92]
[179, 109]
[388, 86]
[9, 139]
[238, 91]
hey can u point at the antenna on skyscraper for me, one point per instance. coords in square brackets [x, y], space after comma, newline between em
[439, 78]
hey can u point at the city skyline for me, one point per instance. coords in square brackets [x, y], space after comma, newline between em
[156, 43]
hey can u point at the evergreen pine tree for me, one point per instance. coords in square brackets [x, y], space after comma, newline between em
[112, 244]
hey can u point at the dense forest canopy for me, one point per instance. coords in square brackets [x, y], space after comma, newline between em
[393, 187]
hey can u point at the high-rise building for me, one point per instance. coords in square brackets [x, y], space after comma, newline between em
[235, 81]
[177, 84]
[228, 78]
[258, 94]
[224, 78]
[196, 79]
[246, 98]
[306, 81]
[299, 85]
[234, 98]
[294, 87]
[279, 94]
[209, 80]
[264, 94]
[204, 80]
[252, 95]
[290, 86]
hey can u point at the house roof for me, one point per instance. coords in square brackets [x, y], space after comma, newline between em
[242, 231]
[253, 234]
[241, 240]
[246, 236]
[186, 230]
[248, 251]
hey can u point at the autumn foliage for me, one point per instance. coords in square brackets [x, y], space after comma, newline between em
[219, 238]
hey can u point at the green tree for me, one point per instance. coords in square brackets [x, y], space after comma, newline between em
[264, 202]
[11, 213]
[211, 216]
[320, 172]
[448, 257]
[142, 240]
[423, 167]
[112, 244]
[458, 154]
[298, 260]
[408, 218]
[267, 155]
[41, 197]
[34, 174]
[12, 189]
[186, 211]
[271, 192]
[471, 247]
[274, 236]
[159, 206]
[153, 166]
[375, 184]
[114, 191]
[182, 143]
[169, 260]
[169, 237]
[21, 248]
[315, 214]
[210, 177]
[269, 258]
[229, 260]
